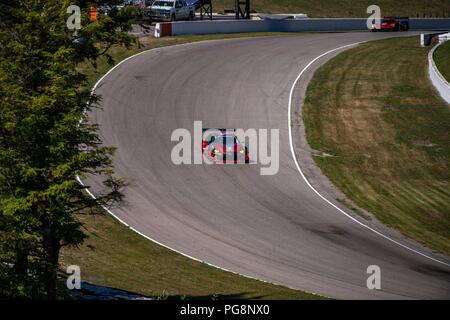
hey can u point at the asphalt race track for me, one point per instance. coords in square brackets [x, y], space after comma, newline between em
[273, 228]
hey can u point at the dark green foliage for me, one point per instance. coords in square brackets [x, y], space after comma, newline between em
[43, 143]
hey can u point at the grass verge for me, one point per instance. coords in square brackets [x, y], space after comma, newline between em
[442, 59]
[114, 256]
[375, 111]
[344, 8]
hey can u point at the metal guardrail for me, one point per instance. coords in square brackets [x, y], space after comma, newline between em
[444, 37]
[438, 80]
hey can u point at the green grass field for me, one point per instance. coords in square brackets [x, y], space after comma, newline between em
[117, 257]
[344, 8]
[374, 110]
[442, 59]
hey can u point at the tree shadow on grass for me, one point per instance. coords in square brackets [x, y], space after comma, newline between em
[90, 291]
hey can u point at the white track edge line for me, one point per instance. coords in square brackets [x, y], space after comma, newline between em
[185, 254]
[149, 238]
[309, 184]
[293, 154]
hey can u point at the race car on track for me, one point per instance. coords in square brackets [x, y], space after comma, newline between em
[223, 146]
[392, 24]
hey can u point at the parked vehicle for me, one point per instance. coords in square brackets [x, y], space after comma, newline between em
[171, 10]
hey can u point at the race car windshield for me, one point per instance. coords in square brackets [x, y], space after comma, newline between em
[163, 3]
[228, 140]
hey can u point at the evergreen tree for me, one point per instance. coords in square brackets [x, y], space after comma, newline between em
[46, 139]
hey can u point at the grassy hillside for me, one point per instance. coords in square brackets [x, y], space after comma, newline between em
[344, 8]
[442, 59]
[383, 136]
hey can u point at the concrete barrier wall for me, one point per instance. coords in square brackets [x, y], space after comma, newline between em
[439, 82]
[243, 26]
[220, 27]
[320, 25]
[430, 24]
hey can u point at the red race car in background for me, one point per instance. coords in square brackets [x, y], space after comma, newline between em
[392, 24]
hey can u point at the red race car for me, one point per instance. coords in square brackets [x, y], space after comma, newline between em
[392, 24]
[224, 148]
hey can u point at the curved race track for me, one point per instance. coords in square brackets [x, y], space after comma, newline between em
[273, 228]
